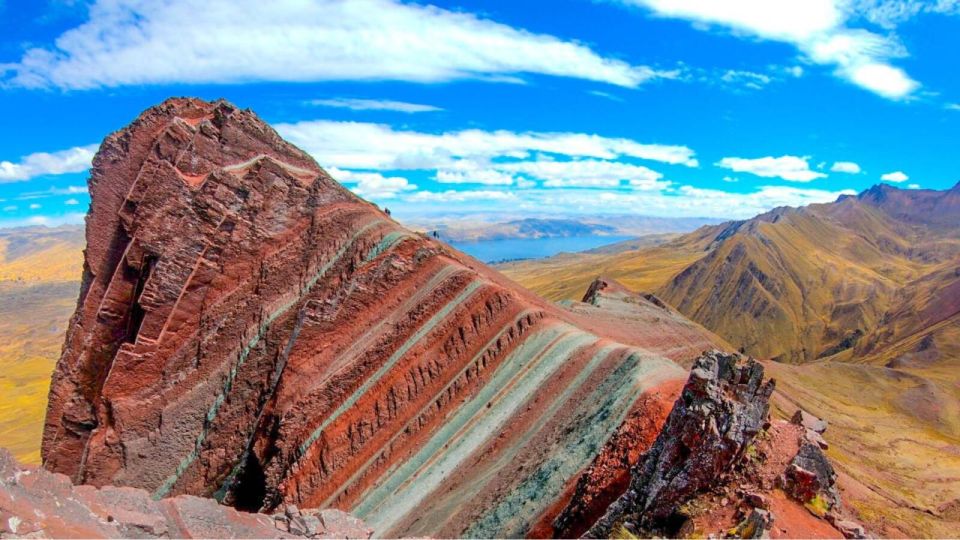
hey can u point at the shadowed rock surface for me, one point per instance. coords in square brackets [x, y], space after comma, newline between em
[249, 329]
[35, 503]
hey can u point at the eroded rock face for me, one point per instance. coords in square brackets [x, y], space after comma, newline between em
[249, 329]
[722, 407]
[35, 503]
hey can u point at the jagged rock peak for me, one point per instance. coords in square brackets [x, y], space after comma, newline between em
[724, 404]
[603, 286]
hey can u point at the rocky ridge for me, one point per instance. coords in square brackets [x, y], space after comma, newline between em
[250, 330]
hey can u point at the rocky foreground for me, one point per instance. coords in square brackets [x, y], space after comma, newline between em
[35, 503]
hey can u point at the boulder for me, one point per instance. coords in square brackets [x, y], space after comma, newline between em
[809, 421]
[810, 479]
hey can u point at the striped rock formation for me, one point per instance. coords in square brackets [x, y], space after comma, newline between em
[249, 329]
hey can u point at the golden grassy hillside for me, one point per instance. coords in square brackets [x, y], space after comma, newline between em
[39, 281]
[792, 285]
[567, 276]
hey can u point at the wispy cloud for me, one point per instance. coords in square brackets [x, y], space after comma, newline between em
[749, 79]
[360, 145]
[792, 168]
[72, 160]
[453, 196]
[374, 105]
[589, 173]
[199, 41]
[819, 29]
[685, 201]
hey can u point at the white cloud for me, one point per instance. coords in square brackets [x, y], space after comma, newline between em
[34, 206]
[72, 160]
[731, 179]
[952, 106]
[588, 173]
[451, 196]
[896, 177]
[913, 186]
[372, 185]
[203, 41]
[373, 105]
[10, 208]
[378, 146]
[792, 168]
[71, 202]
[848, 167]
[469, 172]
[819, 29]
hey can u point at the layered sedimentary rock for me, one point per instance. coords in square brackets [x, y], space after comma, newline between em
[249, 329]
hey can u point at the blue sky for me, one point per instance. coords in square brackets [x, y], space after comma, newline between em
[655, 107]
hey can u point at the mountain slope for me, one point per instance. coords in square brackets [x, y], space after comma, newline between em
[249, 329]
[864, 293]
[792, 284]
[39, 280]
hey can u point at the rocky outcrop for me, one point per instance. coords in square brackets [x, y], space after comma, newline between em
[35, 503]
[722, 407]
[645, 320]
[249, 329]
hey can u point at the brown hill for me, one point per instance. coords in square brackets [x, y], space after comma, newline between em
[247, 328]
[792, 284]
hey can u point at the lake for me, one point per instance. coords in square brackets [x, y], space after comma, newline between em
[490, 251]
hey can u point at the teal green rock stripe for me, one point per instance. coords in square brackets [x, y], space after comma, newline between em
[472, 425]
[601, 415]
[168, 484]
[467, 292]
[508, 369]
[434, 282]
[473, 361]
[509, 454]
[386, 243]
